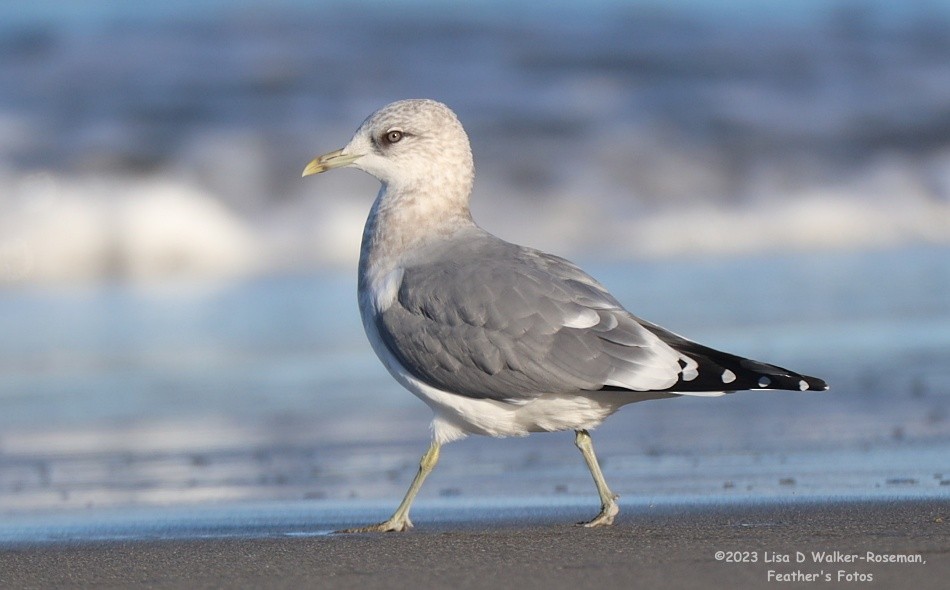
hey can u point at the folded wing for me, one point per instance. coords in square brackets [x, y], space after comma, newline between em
[488, 319]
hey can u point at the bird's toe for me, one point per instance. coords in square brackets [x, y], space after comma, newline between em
[389, 526]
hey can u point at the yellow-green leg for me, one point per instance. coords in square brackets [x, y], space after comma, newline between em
[399, 521]
[608, 500]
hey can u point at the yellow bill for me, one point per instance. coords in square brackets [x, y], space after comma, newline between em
[328, 162]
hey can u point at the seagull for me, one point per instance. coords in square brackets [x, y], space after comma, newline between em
[500, 339]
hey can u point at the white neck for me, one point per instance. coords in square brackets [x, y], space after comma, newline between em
[403, 221]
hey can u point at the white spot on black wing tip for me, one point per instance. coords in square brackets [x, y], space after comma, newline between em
[688, 368]
[764, 381]
[803, 385]
[728, 376]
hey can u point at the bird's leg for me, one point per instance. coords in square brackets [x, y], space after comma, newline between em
[399, 521]
[608, 500]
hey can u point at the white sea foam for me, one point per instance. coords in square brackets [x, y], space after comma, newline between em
[152, 148]
[58, 228]
[66, 229]
[820, 220]
[887, 204]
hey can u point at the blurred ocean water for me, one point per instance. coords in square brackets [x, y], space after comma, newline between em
[267, 390]
[155, 141]
[177, 307]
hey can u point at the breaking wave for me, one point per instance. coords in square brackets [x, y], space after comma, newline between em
[156, 144]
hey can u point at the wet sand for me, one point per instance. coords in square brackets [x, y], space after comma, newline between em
[672, 545]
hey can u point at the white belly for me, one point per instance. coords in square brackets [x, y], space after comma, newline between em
[457, 416]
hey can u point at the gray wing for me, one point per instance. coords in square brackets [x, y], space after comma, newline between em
[488, 319]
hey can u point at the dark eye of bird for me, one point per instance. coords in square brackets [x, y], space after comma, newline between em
[393, 136]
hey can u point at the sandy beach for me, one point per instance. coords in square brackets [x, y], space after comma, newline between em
[864, 543]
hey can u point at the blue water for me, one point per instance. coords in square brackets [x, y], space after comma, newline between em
[267, 390]
[157, 141]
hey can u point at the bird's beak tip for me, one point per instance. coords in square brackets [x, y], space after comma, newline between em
[329, 161]
[314, 167]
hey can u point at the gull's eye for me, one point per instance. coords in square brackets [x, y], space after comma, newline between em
[392, 136]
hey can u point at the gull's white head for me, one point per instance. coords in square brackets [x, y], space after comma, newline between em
[411, 146]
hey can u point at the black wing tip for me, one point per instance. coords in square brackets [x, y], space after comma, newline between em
[785, 381]
[715, 370]
[749, 382]
[815, 384]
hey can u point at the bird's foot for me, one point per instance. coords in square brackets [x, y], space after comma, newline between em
[606, 517]
[393, 525]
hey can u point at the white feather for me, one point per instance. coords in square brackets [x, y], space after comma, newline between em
[585, 318]
[728, 376]
[691, 370]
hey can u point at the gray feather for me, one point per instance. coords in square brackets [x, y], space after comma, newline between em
[483, 318]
